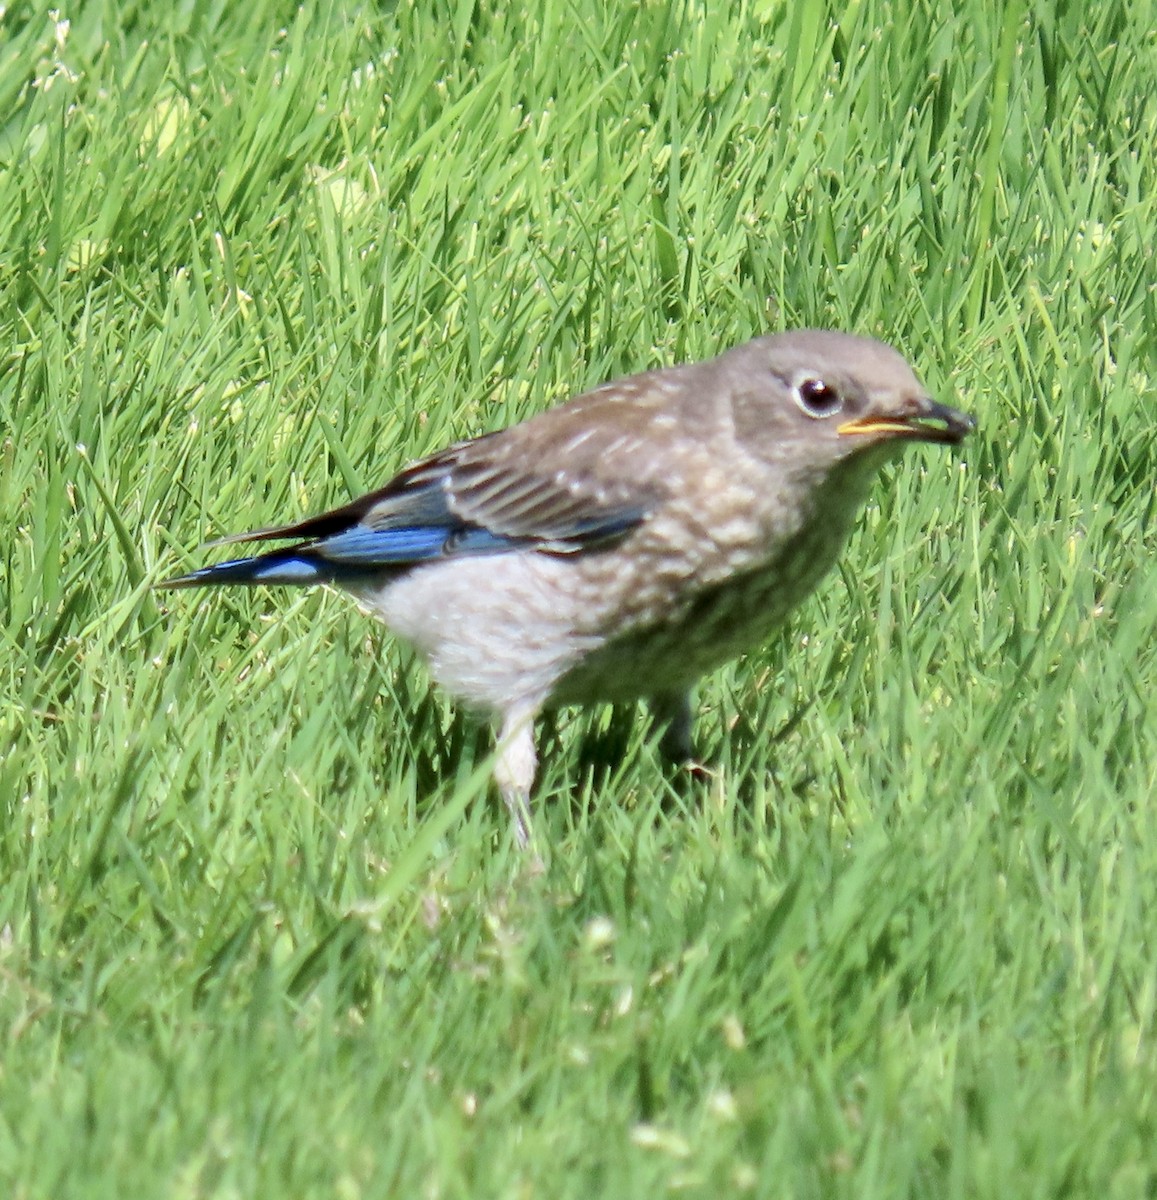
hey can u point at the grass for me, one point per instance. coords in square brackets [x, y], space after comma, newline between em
[262, 931]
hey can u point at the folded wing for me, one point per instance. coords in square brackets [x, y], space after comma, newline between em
[573, 480]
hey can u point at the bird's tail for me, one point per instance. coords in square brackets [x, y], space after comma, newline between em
[292, 566]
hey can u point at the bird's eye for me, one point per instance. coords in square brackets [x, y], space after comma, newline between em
[817, 399]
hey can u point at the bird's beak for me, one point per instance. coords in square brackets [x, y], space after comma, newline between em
[920, 420]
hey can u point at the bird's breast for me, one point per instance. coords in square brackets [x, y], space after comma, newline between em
[691, 594]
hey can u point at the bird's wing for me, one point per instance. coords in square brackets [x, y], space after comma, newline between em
[574, 478]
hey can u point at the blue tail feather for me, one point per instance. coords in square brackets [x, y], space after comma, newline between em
[263, 569]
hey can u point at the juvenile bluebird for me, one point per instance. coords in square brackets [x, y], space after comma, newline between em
[621, 545]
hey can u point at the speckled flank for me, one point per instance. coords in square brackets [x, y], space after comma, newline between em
[697, 623]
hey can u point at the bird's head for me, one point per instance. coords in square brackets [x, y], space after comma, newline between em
[825, 397]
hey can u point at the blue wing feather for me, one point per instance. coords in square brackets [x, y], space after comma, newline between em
[383, 547]
[487, 496]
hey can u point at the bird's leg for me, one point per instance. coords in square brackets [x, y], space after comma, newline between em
[676, 744]
[673, 712]
[514, 769]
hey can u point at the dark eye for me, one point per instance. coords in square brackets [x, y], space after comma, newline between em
[817, 399]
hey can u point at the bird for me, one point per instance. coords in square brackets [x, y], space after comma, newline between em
[622, 545]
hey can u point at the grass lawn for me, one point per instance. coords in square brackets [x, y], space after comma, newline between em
[263, 932]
